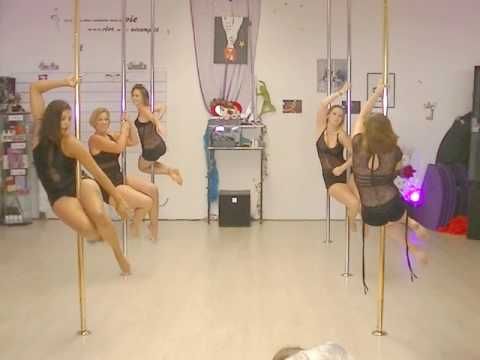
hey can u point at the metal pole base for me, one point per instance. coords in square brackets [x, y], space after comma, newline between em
[379, 333]
[347, 274]
[84, 332]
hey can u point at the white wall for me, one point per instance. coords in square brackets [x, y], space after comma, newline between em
[433, 51]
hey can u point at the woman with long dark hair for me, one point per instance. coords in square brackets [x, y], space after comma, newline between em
[55, 153]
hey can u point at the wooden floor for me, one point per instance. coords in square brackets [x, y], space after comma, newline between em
[204, 292]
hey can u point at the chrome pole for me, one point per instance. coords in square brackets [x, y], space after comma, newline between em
[346, 272]
[152, 70]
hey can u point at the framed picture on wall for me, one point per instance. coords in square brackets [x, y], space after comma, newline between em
[372, 81]
[339, 74]
[292, 106]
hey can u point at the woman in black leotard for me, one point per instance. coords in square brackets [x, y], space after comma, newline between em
[151, 135]
[376, 163]
[331, 141]
[55, 154]
[105, 147]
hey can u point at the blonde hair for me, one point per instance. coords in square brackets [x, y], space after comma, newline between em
[96, 113]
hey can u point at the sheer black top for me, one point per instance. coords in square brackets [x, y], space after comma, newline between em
[153, 146]
[108, 162]
[55, 170]
[330, 158]
[376, 187]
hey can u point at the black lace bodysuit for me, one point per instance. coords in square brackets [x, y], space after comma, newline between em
[330, 158]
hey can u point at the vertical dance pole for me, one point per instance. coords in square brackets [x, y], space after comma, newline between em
[381, 284]
[329, 92]
[80, 242]
[346, 272]
[124, 110]
[152, 70]
[385, 56]
[381, 262]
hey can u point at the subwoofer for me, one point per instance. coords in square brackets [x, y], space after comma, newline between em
[234, 208]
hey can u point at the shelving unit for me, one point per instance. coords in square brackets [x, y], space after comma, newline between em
[16, 169]
[256, 144]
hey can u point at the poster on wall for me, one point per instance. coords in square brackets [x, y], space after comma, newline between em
[338, 71]
[231, 40]
[292, 106]
[372, 81]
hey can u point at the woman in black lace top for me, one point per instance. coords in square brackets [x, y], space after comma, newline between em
[151, 134]
[56, 153]
[331, 142]
[105, 147]
[376, 163]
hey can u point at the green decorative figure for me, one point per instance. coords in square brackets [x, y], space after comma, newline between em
[267, 105]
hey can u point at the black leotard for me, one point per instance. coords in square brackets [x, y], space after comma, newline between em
[55, 170]
[108, 162]
[153, 145]
[330, 158]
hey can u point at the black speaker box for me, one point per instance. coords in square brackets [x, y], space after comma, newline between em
[234, 208]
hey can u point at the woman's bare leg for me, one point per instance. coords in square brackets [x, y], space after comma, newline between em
[160, 169]
[343, 194]
[151, 191]
[139, 202]
[71, 213]
[92, 202]
[353, 187]
[420, 231]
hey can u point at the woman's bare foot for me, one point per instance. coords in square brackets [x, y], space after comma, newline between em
[124, 265]
[419, 254]
[153, 232]
[420, 231]
[175, 176]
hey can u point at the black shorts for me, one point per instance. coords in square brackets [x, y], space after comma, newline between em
[391, 211]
